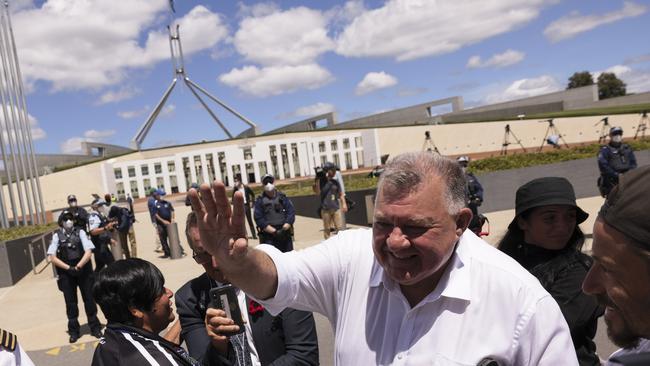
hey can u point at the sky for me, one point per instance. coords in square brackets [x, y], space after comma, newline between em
[94, 69]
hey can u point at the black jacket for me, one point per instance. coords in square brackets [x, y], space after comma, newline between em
[561, 273]
[125, 345]
[288, 339]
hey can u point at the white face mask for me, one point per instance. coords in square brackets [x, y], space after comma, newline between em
[73, 203]
[68, 224]
[617, 138]
[269, 187]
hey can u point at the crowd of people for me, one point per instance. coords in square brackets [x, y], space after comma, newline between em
[420, 287]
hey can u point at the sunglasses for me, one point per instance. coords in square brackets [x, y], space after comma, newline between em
[201, 258]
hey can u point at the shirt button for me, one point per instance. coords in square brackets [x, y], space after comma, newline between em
[399, 356]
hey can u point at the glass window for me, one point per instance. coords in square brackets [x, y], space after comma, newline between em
[209, 159]
[157, 168]
[248, 153]
[263, 169]
[186, 171]
[147, 184]
[118, 173]
[134, 189]
[173, 181]
[323, 160]
[346, 143]
[250, 172]
[171, 166]
[335, 145]
[337, 161]
[120, 191]
[160, 182]
[144, 169]
[131, 170]
[285, 161]
[357, 141]
[348, 160]
[360, 163]
[198, 171]
[321, 146]
[295, 159]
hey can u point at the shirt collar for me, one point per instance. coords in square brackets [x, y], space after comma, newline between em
[454, 283]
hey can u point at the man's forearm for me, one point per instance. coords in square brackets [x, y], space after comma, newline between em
[255, 274]
[85, 258]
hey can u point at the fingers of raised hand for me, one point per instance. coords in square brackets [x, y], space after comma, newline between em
[238, 228]
[221, 202]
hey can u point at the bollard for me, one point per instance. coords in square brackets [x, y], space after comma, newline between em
[116, 248]
[173, 240]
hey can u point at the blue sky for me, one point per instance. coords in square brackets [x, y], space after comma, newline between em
[94, 69]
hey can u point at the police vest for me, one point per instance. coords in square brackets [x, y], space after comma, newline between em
[273, 209]
[70, 248]
[104, 237]
[619, 157]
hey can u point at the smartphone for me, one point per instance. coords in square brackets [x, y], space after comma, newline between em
[225, 298]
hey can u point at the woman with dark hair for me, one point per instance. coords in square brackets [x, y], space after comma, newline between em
[544, 237]
[137, 305]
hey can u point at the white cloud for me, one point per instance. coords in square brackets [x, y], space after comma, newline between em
[409, 29]
[90, 44]
[257, 10]
[573, 24]
[637, 80]
[73, 144]
[507, 58]
[374, 81]
[37, 132]
[293, 37]
[276, 80]
[112, 96]
[168, 111]
[133, 113]
[524, 88]
[310, 110]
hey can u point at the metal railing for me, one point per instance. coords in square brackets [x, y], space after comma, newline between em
[30, 245]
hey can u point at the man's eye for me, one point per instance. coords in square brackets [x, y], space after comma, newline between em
[416, 230]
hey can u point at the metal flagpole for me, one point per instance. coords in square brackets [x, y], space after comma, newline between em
[7, 166]
[26, 129]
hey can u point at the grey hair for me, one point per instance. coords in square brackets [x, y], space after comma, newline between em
[405, 173]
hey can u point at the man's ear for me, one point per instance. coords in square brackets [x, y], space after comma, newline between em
[522, 224]
[137, 313]
[462, 220]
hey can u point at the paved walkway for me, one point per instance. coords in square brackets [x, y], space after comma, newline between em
[35, 311]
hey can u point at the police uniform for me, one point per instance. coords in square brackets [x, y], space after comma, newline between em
[11, 354]
[275, 211]
[474, 197]
[102, 241]
[163, 209]
[69, 246]
[613, 160]
[80, 217]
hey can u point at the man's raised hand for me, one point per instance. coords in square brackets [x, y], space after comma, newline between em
[222, 229]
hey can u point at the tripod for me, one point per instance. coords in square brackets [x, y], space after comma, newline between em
[506, 141]
[642, 126]
[428, 144]
[554, 131]
[604, 130]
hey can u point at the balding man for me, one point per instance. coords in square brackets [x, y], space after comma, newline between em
[620, 276]
[416, 289]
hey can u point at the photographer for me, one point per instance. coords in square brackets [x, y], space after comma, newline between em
[100, 227]
[70, 253]
[122, 216]
[332, 199]
[274, 216]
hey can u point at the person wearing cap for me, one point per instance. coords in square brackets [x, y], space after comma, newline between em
[620, 276]
[332, 200]
[544, 237]
[80, 216]
[151, 205]
[100, 233]
[249, 196]
[70, 252]
[474, 194]
[614, 159]
[124, 226]
[164, 215]
[274, 216]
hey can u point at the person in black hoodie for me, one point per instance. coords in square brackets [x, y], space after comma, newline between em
[137, 306]
[544, 237]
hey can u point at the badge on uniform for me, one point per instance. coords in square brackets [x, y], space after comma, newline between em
[8, 340]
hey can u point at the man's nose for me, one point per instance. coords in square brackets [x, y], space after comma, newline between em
[397, 240]
[592, 284]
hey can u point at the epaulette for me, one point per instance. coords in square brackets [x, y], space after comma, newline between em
[8, 340]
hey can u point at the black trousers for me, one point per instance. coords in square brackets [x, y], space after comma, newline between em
[283, 242]
[163, 235]
[68, 285]
[249, 218]
[103, 256]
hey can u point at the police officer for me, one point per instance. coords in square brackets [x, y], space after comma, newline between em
[473, 194]
[614, 159]
[274, 216]
[80, 215]
[100, 233]
[70, 252]
[164, 215]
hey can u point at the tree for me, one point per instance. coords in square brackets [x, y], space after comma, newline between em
[578, 79]
[609, 86]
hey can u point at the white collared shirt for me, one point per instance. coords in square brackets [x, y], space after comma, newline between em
[643, 347]
[485, 305]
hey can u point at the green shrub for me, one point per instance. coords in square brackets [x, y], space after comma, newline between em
[22, 231]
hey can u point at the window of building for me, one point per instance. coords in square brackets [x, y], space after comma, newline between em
[210, 161]
[263, 168]
[323, 160]
[321, 146]
[186, 172]
[198, 171]
[118, 173]
[131, 170]
[250, 172]
[171, 166]
[346, 143]
[357, 141]
[120, 191]
[134, 189]
[157, 168]
[173, 181]
[144, 169]
[295, 159]
[160, 183]
[147, 184]
[360, 163]
[348, 160]
[248, 153]
[334, 145]
[274, 160]
[285, 160]
[336, 161]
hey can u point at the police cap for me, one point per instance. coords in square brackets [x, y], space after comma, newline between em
[329, 166]
[615, 131]
[71, 198]
[268, 178]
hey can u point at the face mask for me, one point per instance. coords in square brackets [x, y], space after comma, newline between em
[73, 203]
[617, 138]
[68, 224]
[269, 187]
[464, 169]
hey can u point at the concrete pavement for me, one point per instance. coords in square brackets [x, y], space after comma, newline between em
[34, 308]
